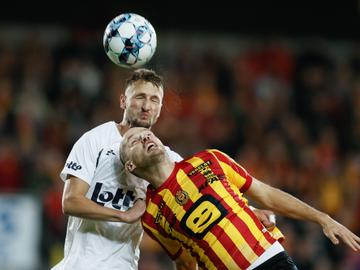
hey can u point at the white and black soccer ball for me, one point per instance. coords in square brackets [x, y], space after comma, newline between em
[129, 40]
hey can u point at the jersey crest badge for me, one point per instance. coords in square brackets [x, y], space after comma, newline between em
[181, 197]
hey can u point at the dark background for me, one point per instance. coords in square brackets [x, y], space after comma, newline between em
[332, 19]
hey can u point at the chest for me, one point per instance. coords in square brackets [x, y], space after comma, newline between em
[111, 185]
[108, 164]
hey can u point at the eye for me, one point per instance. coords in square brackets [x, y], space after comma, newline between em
[134, 141]
[139, 97]
[155, 99]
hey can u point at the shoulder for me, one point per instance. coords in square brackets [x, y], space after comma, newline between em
[219, 154]
[100, 131]
[208, 153]
[97, 136]
[215, 151]
[102, 128]
[173, 155]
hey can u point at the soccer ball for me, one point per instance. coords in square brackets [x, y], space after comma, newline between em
[129, 40]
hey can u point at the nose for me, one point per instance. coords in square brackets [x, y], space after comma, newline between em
[146, 105]
[145, 137]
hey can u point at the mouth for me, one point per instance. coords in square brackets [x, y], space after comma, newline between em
[150, 146]
[144, 116]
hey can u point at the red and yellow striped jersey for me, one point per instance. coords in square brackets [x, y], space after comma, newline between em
[201, 207]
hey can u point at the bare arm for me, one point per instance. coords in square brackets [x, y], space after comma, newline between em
[287, 205]
[74, 203]
[185, 262]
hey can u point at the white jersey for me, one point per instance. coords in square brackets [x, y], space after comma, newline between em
[91, 244]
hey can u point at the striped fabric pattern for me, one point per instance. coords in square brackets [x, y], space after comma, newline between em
[201, 207]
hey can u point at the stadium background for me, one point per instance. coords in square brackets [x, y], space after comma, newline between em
[276, 85]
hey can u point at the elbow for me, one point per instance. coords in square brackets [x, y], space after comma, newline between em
[271, 200]
[66, 209]
[274, 199]
[268, 199]
[68, 204]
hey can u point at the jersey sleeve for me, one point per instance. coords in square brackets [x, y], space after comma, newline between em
[236, 174]
[81, 161]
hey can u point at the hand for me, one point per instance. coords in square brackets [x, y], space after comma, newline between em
[334, 230]
[266, 217]
[134, 213]
[186, 262]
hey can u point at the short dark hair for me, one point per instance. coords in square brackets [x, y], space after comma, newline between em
[145, 75]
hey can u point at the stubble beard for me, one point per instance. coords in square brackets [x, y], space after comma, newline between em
[134, 121]
[156, 158]
[137, 123]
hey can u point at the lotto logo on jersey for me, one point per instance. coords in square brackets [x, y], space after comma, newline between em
[118, 199]
[73, 166]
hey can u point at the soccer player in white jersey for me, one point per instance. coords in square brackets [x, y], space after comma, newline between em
[103, 202]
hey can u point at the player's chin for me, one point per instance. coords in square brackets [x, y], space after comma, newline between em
[156, 153]
[142, 123]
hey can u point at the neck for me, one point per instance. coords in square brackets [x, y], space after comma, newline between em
[157, 174]
[123, 127]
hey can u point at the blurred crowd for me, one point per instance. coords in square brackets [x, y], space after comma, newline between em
[288, 113]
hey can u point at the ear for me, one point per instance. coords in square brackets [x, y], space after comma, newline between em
[158, 114]
[129, 166]
[160, 109]
[122, 101]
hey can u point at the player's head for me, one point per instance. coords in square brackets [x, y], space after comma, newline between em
[141, 149]
[142, 100]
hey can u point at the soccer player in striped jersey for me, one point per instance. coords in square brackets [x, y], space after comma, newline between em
[197, 205]
[98, 192]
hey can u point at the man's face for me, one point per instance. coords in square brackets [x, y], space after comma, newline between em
[142, 104]
[141, 147]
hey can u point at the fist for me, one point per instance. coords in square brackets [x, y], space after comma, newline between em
[266, 217]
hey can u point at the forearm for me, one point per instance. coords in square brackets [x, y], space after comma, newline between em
[285, 204]
[75, 203]
[292, 207]
[83, 207]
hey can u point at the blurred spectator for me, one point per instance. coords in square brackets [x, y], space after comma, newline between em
[11, 173]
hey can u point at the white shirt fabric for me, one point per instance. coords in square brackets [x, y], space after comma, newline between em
[91, 244]
[275, 249]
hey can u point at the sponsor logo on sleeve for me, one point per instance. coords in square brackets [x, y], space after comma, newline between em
[73, 166]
